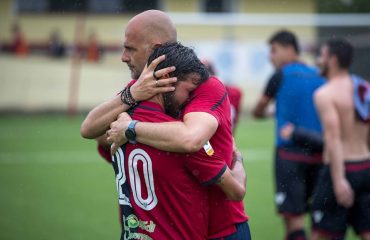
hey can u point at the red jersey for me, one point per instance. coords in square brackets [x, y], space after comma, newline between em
[235, 97]
[160, 192]
[211, 97]
[104, 153]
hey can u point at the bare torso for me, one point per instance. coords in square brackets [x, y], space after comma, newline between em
[353, 133]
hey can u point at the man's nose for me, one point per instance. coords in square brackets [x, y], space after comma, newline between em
[125, 57]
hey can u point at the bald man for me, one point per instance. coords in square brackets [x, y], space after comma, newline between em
[142, 35]
[200, 122]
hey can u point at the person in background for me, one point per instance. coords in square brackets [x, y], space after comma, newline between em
[342, 196]
[235, 95]
[93, 51]
[56, 45]
[19, 43]
[296, 167]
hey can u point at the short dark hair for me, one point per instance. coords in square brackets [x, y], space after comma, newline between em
[285, 38]
[183, 58]
[343, 50]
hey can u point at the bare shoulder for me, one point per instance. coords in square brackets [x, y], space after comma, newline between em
[323, 95]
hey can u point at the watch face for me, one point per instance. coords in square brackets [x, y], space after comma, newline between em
[130, 134]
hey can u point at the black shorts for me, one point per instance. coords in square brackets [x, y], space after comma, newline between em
[331, 219]
[295, 181]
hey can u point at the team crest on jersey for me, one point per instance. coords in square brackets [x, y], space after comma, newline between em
[132, 221]
[131, 224]
[208, 148]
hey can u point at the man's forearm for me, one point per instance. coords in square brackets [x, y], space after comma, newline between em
[187, 136]
[238, 173]
[307, 138]
[99, 119]
[231, 186]
[259, 111]
[169, 136]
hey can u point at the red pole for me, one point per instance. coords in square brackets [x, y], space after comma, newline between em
[74, 82]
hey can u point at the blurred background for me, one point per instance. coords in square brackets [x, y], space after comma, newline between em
[60, 58]
[70, 49]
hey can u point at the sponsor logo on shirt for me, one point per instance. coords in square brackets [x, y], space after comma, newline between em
[131, 224]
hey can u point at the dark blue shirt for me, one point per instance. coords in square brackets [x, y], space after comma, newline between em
[293, 88]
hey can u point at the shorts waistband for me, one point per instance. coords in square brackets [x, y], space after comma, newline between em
[299, 157]
[358, 165]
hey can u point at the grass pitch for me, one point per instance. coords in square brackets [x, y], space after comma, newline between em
[53, 184]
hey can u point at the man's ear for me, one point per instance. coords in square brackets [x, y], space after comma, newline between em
[155, 45]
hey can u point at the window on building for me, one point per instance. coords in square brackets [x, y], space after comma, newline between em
[106, 6]
[139, 5]
[61, 6]
[32, 6]
[88, 6]
[219, 6]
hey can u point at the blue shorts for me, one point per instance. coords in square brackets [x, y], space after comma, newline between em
[242, 233]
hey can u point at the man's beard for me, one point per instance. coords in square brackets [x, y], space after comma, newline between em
[135, 73]
[171, 107]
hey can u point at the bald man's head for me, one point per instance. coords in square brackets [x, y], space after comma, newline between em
[154, 26]
[144, 32]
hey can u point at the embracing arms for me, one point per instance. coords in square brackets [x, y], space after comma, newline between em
[99, 119]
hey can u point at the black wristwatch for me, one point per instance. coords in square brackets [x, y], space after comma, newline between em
[130, 132]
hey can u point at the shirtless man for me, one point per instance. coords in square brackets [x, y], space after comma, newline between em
[342, 195]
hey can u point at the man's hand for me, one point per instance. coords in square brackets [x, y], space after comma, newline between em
[286, 131]
[343, 193]
[237, 156]
[238, 174]
[116, 134]
[151, 83]
[259, 110]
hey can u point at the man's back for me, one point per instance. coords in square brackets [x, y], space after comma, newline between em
[353, 132]
[160, 193]
[211, 97]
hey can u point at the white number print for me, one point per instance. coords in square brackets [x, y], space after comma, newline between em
[121, 178]
[135, 182]
[135, 156]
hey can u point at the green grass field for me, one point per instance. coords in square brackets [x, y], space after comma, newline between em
[55, 186]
